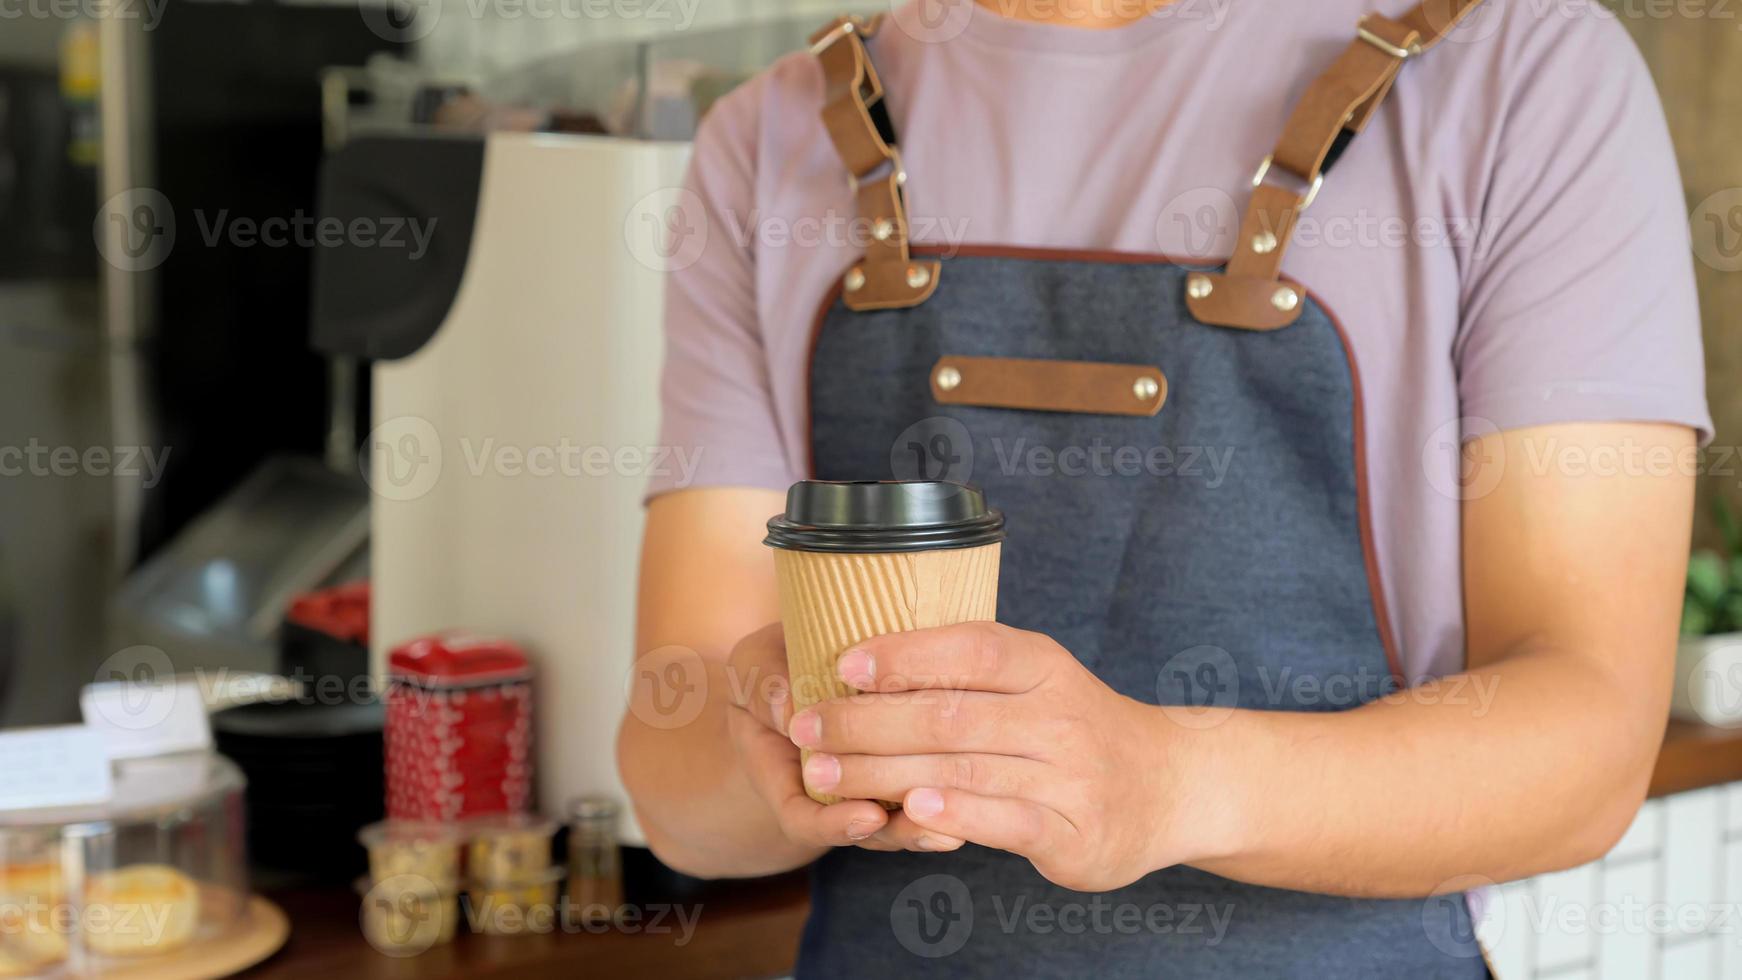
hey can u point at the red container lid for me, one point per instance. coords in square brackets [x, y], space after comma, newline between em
[458, 659]
[341, 612]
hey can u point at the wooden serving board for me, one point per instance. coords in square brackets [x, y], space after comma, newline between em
[260, 932]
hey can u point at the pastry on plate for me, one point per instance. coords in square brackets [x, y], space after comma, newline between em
[29, 940]
[140, 910]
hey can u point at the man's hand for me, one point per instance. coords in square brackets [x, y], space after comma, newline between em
[1001, 737]
[758, 721]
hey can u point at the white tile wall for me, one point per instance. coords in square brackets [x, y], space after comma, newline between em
[1623, 952]
[1564, 901]
[1693, 959]
[1691, 857]
[1665, 904]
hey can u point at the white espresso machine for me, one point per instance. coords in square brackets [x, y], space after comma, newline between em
[515, 338]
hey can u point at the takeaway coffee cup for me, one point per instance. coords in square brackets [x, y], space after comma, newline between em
[856, 560]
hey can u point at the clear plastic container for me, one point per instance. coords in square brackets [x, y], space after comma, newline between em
[415, 848]
[509, 848]
[160, 867]
[515, 908]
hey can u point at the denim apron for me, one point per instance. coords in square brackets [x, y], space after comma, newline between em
[1177, 452]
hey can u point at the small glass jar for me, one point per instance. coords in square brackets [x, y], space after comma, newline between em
[595, 865]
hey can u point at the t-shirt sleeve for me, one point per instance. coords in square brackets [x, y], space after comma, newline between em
[1579, 302]
[717, 409]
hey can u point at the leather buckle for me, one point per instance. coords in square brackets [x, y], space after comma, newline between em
[1312, 190]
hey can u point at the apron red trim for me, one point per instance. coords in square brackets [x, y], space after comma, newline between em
[1363, 495]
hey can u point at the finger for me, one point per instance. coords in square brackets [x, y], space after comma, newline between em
[920, 723]
[902, 834]
[772, 765]
[756, 678]
[889, 777]
[1018, 826]
[968, 657]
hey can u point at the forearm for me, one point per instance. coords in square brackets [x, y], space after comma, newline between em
[697, 807]
[1534, 764]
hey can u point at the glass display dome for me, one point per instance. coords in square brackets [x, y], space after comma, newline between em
[155, 877]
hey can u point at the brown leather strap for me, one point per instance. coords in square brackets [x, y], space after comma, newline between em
[887, 277]
[1338, 105]
[1049, 386]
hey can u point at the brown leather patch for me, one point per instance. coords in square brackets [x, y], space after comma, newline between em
[889, 285]
[1085, 387]
[1244, 302]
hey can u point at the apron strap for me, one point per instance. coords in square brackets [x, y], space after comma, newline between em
[1336, 107]
[888, 277]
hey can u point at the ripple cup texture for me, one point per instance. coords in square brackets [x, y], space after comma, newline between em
[830, 601]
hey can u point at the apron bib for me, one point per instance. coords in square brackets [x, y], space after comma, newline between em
[1177, 452]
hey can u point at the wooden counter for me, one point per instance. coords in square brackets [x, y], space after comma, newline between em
[1696, 756]
[744, 929]
[747, 929]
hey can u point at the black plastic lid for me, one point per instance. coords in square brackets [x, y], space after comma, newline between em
[869, 518]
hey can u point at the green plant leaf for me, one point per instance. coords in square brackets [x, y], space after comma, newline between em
[1728, 526]
[1732, 618]
[1708, 578]
[1695, 620]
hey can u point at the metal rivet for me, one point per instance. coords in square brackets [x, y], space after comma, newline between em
[855, 279]
[1198, 287]
[1146, 388]
[948, 378]
[1285, 299]
[918, 276]
[1264, 243]
[883, 229]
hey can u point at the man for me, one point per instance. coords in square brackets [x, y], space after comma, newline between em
[1374, 599]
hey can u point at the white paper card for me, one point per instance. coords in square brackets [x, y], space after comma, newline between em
[148, 718]
[67, 765]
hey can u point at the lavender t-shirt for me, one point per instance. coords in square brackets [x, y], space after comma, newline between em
[1506, 245]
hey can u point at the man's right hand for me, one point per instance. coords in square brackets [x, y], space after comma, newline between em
[757, 720]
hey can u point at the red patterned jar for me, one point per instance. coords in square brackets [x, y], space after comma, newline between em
[459, 728]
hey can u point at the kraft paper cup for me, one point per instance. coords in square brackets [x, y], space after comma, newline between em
[857, 560]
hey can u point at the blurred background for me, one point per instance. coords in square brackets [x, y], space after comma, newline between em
[228, 235]
[146, 308]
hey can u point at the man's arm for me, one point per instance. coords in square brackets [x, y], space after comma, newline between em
[1572, 593]
[1534, 759]
[702, 748]
[706, 581]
